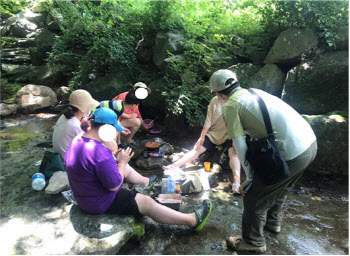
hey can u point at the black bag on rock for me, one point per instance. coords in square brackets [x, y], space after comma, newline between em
[263, 155]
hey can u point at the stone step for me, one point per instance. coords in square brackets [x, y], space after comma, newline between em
[9, 41]
[23, 59]
[13, 52]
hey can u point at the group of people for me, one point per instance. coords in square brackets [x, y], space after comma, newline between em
[97, 169]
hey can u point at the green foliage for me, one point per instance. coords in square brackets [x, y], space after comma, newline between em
[12, 7]
[100, 37]
[323, 17]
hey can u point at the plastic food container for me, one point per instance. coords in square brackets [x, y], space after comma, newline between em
[148, 123]
[172, 201]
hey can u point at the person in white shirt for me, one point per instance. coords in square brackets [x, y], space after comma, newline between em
[68, 125]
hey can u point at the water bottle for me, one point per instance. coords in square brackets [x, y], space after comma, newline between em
[171, 186]
[38, 181]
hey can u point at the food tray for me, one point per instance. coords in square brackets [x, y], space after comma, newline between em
[172, 201]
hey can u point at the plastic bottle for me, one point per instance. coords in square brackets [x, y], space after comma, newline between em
[165, 183]
[38, 181]
[159, 154]
[171, 186]
[178, 188]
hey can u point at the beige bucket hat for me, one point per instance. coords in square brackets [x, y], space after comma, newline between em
[141, 85]
[82, 100]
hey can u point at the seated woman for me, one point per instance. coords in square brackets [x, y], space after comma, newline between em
[69, 125]
[96, 180]
[214, 133]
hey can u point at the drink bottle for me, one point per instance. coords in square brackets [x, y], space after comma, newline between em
[159, 154]
[38, 181]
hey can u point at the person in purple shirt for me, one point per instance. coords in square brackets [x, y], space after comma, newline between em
[96, 180]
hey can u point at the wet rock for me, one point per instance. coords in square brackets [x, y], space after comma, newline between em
[63, 93]
[150, 162]
[7, 109]
[32, 97]
[103, 234]
[57, 183]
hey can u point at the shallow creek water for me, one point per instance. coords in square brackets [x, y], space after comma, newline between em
[315, 216]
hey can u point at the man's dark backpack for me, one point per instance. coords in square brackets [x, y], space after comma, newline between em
[263, 155]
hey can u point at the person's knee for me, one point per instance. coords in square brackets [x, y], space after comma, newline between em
[145, 203]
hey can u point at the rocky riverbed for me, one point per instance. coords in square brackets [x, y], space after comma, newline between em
[315, 215]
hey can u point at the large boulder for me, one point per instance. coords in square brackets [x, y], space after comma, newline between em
[7, 109]
[290, 45]
[103, 234]
[155, 102]
[44, 41]
[319, 86]
[18, 26]
[167, 42]
[342, 38]
[107, 87]
[332, 132]
[270, 78]
[245, 72]
[32, 97]
[63, 94]
[42, 75]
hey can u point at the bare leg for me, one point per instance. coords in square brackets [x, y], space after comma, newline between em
[133, 124]
[189, 157]
[133, 177]
[162, 214]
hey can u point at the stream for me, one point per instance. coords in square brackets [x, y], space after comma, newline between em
[315, 215]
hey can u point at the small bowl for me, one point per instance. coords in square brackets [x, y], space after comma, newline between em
[148, 123]
[154, 131]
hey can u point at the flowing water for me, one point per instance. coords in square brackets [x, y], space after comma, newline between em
[315, 216]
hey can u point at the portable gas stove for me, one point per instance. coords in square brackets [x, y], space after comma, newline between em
[146, 151]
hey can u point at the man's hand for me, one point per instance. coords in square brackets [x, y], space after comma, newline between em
[124, 156]
[126, 131]
[242, 187]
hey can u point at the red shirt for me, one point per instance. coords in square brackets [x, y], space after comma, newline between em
[127, 110]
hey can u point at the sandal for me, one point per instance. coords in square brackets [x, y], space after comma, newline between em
[203, 214]
[152, 180]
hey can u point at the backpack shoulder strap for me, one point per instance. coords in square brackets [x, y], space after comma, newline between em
[264, 112]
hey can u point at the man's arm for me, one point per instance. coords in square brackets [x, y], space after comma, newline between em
[241, 149]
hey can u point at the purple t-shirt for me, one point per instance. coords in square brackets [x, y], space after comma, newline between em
[92, 171]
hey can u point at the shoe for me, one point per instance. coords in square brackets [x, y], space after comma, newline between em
[152, 180]
[203, 214]
[239, 245]
[273, 229]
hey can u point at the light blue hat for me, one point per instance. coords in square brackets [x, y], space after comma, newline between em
[107, 116]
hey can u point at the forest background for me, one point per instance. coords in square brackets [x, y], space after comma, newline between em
[102, 37]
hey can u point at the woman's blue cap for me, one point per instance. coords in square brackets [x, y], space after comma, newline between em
[107, 116]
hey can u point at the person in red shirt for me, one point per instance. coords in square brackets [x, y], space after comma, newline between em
[131, 118]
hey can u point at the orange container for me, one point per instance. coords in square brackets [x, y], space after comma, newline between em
[207, 166]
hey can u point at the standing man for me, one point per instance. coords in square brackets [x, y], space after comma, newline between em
[296, 140]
